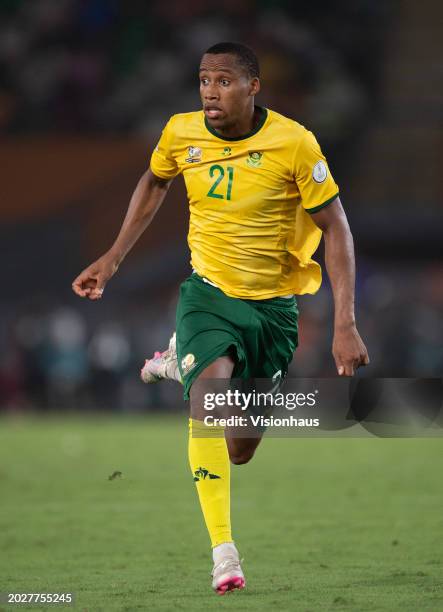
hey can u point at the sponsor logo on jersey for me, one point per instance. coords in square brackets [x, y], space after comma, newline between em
[227, 151]
[254, 159]
[319, 172]
[194, 155]
[188, 362]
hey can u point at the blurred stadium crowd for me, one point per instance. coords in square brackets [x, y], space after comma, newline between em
[114, 66]
[101, 69]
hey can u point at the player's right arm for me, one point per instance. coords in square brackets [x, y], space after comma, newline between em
[145, 201]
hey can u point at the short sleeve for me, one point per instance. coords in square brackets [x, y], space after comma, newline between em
[312, 175]
[163, 163]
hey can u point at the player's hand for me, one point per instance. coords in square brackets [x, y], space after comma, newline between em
[92, 281]
[349, 350]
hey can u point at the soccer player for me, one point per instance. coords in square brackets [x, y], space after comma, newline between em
[260, 196]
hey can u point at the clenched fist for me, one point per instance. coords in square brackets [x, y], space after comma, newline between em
[92, 281]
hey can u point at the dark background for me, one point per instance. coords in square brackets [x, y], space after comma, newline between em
[85, 89]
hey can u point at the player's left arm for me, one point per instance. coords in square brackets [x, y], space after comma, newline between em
[348, 348]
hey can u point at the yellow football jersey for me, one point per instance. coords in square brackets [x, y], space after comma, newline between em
[250, 231]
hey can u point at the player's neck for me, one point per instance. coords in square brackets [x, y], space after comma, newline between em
[244, 126]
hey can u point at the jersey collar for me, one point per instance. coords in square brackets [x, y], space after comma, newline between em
[258, 127]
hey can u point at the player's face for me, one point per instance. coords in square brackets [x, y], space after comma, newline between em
[226, 90]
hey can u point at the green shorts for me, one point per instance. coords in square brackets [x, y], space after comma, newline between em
[261, 335]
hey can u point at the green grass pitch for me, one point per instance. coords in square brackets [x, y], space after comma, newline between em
[326, 524]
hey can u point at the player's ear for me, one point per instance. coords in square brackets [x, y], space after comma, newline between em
[255, 86]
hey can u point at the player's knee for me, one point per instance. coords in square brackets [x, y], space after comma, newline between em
[241, 457]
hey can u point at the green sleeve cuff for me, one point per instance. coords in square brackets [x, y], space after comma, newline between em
[320, 206]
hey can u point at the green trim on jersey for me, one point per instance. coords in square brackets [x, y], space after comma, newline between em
[317, 208]
[258, 127]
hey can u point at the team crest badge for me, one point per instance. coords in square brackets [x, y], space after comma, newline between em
[227, 151]
[254, 159]
[188, 362]
[194, 155]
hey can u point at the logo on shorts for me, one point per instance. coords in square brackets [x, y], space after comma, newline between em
[276, 381]
[188, 362]
[277, 376]
[319, 172]
[227, 151]
[194, 155]
[254, 159]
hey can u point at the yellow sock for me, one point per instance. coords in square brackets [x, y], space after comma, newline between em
[209, 461]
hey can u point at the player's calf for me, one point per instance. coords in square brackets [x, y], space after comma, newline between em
[241, 450]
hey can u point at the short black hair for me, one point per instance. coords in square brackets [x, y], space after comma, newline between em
[244, 55]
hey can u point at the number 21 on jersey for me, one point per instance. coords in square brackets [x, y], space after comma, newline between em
[219, 189]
